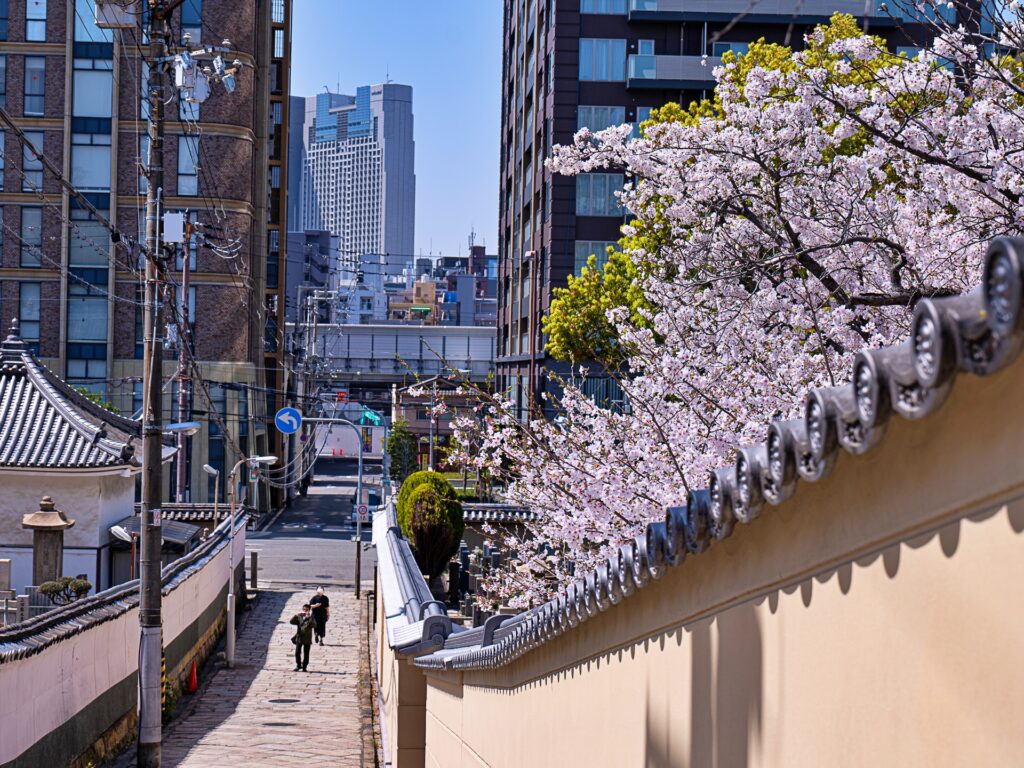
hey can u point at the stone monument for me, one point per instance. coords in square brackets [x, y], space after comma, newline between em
[47, 526]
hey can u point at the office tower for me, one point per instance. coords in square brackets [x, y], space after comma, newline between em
[595, 63]
[78, 92]
[358, 177]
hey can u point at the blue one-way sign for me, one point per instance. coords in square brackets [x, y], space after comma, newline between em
[288, 420]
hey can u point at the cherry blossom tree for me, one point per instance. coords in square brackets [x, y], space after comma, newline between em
[780, 228]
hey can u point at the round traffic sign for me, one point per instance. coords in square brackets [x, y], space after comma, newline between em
[288, 420]
[362, 509]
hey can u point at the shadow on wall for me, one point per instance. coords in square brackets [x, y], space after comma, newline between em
[726, 689]
[727, 686]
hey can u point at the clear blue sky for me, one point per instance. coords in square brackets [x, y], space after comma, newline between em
[449, 51]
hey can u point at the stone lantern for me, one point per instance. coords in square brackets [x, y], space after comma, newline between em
[47, 526]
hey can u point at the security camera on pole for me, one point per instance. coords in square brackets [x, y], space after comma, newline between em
[193, 83]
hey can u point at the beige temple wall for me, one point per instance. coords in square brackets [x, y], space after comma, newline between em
[403, 695]
[876, 618]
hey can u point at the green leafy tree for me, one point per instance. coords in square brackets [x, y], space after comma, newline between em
[401, 451]
[65, 590]
[577, 325]
[435, 528]
[94, 397]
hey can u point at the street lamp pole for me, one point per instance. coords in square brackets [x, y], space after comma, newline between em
[253, 460]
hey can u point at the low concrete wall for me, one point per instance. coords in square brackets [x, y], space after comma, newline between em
[873, 619]
[58, 702]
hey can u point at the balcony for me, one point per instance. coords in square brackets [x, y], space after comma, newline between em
[758, 11]
[681, 73]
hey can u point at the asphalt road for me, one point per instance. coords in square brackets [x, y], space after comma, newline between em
[312, 541]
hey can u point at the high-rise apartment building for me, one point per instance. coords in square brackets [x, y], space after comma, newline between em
[359, 177]
[78, 93]
[596, 63]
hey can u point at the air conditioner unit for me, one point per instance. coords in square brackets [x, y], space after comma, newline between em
[117, 14]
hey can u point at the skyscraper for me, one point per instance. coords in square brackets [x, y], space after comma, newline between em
[359, 179]
[595, 63]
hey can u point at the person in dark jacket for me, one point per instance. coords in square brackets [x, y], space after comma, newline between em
[321, 605]
[303, 637]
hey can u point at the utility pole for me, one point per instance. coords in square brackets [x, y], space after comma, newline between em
[151, 641]
[184, 378]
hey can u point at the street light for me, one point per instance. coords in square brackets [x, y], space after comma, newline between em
[253, 461]
[215, 473]
[184, 428]
[123, 534]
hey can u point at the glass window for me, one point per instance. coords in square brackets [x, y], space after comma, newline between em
[720, 48]
[602, 60]
[31, 235]
[88, 241]
[90, 162]
[87, 313]
[93, 90]
[643, 114]
[595, 194]
[31, 166]
[3, 19]
[35, 20]
[28, 311]
[188, 155]
[587, 248]
[278, 43]
[85, 24]
[35, 84]
[603, 6]
[277, 11]
[3, 80]
[599, 118]
[645, 47]
[192, 20]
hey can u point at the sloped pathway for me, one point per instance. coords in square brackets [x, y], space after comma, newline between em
[262, 713]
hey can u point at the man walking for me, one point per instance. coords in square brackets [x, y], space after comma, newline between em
[303, 637]
[321, 605]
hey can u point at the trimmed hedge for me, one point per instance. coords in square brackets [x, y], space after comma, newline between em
[436, 480]
[435, 527]
[430, 517]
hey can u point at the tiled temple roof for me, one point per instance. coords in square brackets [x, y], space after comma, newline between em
[976, 333]
[46, 424]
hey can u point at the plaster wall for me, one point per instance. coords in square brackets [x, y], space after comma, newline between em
[403, 695]
[873, 619]
[94, 502]
[61, 684]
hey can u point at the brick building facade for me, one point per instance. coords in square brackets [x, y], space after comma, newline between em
[80, 90]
